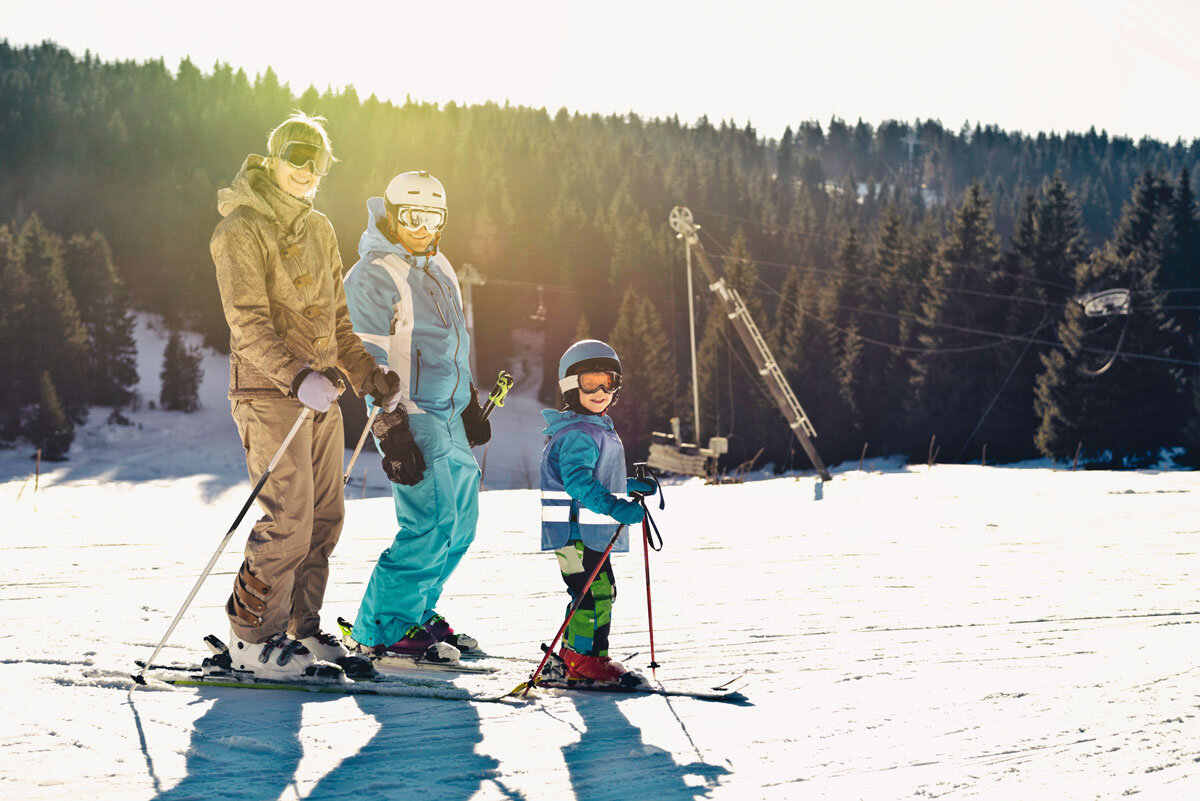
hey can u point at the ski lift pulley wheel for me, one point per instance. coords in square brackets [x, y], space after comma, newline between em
[1108, 303]
[681, 219]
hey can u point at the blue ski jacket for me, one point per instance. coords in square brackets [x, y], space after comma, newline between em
[408, 312]
[583, 470]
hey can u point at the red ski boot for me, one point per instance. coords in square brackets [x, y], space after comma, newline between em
[597, 669]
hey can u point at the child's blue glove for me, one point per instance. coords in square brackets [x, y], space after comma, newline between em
[639, 485]
[626, 512]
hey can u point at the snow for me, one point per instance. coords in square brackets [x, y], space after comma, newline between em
[959, 632]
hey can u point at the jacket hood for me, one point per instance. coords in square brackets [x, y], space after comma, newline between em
[253, 187]
[556, 420]
[373, 240]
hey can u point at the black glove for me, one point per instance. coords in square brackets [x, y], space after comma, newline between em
[402, 458]
[478, 428]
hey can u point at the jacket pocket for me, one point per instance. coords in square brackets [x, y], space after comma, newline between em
[417, 383]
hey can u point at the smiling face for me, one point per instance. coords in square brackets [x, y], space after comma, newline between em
[596, 402]
[417, 242]
[298, 182]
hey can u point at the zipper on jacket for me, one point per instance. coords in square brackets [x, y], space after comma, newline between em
[457, 335]
[438, 306]
[457, 346]
[417, 387]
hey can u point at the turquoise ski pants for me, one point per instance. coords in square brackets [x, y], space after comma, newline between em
[437, 520]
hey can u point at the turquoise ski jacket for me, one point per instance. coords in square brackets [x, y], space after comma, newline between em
[583, 471]
[408, 312]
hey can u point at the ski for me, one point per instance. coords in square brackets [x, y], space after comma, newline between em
[724, 693]
[555, 677]
[209, 675]
[416, 663]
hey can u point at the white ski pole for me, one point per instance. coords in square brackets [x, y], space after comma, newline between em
[358, 447]
[139, 677]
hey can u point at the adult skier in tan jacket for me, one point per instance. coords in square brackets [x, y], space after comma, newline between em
[280, 277]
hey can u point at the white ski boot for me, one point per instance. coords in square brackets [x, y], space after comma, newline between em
[328, 648]
[325, 647]
[279, 658]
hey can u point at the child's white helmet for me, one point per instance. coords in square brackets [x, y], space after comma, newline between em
[584, 355]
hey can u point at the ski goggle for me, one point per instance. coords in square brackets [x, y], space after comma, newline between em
[317, 159]
[600, 381]
[414, 218]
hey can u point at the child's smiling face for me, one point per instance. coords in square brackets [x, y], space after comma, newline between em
[596, 402]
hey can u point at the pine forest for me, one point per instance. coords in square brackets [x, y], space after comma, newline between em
[948, 294]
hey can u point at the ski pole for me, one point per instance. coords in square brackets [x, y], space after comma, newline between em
[575, 608]
[649, 603]
[358, 448]
[139, 677]
[640, 472]
[504, 382]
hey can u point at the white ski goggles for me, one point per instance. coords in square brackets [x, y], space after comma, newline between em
[414, 218]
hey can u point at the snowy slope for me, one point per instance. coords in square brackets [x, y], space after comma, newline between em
[959, 632]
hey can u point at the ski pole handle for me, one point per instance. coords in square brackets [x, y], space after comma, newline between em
[504, 383]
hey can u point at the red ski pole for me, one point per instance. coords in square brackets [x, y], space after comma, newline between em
[595, 571]
[649, 604]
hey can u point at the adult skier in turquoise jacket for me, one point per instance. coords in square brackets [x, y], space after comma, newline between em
[406, 306]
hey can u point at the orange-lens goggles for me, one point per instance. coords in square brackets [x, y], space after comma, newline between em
[607, 380]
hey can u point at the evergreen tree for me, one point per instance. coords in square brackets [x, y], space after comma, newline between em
[50, 428]
[57, 339]
[15, 328]
[1121, 410]
[1046, 250]
[104, 310]
[181, 374]
[950, 382]
[647, 397]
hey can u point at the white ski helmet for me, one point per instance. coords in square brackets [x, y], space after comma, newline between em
[583, 356]
[416, 188]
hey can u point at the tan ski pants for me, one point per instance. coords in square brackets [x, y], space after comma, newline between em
[281, 583]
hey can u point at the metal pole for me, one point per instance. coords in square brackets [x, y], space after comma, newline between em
[692, 332]
[139, 677]
[354, 457]
[649, 603]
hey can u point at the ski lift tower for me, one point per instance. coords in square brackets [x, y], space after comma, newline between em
[735, 308]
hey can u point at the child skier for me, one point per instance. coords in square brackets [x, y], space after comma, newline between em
[583, 470]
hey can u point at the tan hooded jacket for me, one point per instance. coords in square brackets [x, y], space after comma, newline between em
[280, 276]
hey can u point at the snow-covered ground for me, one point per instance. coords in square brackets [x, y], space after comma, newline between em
[963, 632]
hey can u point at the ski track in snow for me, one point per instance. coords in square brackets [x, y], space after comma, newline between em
[960, 632]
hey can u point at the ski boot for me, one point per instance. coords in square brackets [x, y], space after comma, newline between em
[328, 648]
[418, 644]
[278, 658]
[439, 628]
[597, 670]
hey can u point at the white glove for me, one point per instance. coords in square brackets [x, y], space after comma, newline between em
[317, 392]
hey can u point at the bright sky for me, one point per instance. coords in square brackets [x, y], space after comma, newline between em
[1129, 66]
